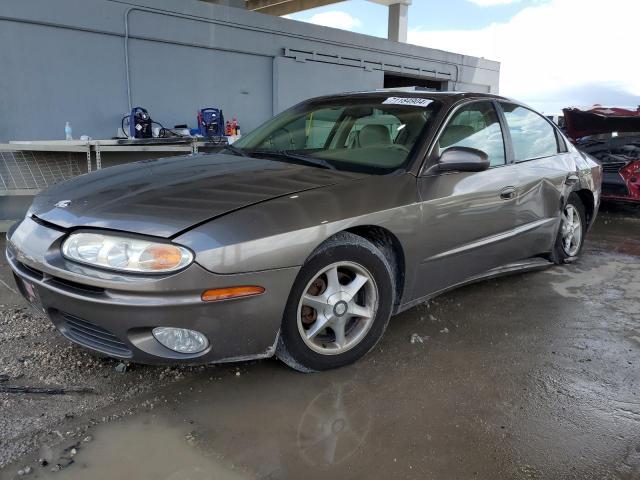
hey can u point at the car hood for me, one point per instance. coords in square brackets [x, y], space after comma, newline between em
[164, 197]
[598, 120]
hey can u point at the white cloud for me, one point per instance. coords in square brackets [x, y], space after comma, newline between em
[556, 46]
[491, 3]
[335, 19]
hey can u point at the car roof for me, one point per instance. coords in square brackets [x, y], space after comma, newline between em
[448, 97]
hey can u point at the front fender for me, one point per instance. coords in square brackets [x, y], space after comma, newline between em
[283, 232]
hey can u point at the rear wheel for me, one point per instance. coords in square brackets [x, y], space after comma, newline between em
[572, 231]
[339, 306]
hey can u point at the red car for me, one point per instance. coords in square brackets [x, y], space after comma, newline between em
[611, 135]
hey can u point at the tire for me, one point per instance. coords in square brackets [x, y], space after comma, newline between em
[330, 327]
[562, 251]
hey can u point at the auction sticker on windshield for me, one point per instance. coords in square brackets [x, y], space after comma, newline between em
[413, 101]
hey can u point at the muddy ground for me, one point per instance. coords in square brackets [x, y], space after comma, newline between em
[526, 377]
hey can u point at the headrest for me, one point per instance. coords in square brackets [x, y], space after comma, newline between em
[374, 135]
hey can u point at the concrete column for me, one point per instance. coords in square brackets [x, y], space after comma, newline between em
[398, 21]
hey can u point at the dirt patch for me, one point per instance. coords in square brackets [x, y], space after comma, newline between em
[34, 354]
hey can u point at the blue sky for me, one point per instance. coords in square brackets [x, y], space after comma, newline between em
[553, 53]
[423, 14]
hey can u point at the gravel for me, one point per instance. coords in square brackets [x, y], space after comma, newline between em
[34, 354]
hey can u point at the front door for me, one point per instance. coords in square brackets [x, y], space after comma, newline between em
[469, 218]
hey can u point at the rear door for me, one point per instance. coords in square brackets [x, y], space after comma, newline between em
[468, 217]
[545, 170]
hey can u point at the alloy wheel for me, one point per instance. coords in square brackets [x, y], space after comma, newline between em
[571, 230]
[337, 308]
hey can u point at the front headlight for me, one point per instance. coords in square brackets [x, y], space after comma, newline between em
[126, 254]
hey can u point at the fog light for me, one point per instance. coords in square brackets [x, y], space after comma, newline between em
[181, 340]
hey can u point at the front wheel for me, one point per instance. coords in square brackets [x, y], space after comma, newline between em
[573, 226]
[339, 306]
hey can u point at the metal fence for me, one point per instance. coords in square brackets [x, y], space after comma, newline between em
[34, 170]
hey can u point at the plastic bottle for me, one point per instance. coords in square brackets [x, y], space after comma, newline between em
[234, 126]
[67, 131]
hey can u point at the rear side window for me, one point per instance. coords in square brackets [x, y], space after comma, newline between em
[532, 136]
[476, 126]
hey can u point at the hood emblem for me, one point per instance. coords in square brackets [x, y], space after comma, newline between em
[63, 203]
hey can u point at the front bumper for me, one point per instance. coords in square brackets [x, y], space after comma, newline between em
[114, 313]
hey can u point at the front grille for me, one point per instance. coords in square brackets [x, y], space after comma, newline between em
[68, 284]
[93, 336]
[612, 167]
[56, 281]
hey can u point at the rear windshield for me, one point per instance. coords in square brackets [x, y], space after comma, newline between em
[376, 135]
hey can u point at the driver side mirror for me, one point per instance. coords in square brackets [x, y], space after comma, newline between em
[463, 159]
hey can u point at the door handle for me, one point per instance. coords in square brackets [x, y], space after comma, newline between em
[508, 193]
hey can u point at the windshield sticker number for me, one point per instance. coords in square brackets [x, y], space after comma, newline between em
[412, 101]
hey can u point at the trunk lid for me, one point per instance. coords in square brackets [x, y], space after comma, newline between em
[598, 120]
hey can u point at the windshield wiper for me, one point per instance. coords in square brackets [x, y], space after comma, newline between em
[317, 162]
[236, 150]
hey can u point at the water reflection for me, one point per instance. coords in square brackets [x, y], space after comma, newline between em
[334, 425]
[230, 428]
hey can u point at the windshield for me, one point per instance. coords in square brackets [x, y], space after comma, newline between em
[374, 135]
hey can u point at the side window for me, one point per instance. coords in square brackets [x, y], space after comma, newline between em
[532, 136]
[476, 126]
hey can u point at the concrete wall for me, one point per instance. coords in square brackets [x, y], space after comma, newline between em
[64, 60]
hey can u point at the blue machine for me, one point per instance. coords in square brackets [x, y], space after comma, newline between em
[140, 124]
[211, 122]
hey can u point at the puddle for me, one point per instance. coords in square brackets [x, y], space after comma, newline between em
[143, 447]
[613, 282]
[382, 419]
[273, 423]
